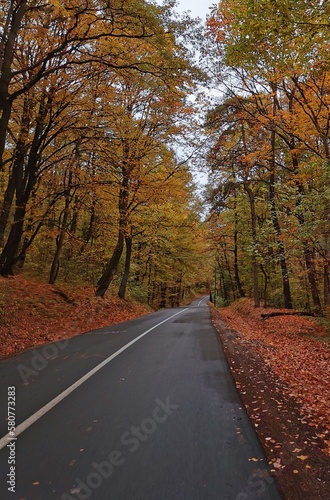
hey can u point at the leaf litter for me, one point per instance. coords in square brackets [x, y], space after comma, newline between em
[283, 377]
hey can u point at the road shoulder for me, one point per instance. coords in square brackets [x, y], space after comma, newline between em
[293, 448]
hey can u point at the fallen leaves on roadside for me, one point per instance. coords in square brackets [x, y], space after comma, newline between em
[301, 362]
[281, 402]
[32, 313]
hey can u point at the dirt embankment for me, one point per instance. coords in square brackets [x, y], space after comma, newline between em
[281, 369]
[32, 314]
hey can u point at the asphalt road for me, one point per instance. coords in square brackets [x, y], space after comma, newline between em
[159, 419]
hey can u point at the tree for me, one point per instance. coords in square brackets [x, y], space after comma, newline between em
[145, 118]
[279, 73]
[49, 52]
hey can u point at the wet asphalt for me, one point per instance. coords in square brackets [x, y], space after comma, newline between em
[160, 420]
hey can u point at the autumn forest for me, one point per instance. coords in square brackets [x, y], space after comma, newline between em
[109, 111]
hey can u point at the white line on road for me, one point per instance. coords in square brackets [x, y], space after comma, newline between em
[202, 300]
[29, 421]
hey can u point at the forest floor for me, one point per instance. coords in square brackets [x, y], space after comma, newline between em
[32, 313]
[281, 369]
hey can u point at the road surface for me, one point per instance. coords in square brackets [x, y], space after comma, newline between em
[143, 410]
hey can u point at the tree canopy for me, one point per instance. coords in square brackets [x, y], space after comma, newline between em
[101, 136]
[269, 150]
[93, 96]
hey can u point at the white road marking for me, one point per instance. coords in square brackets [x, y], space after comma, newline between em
[29, 421]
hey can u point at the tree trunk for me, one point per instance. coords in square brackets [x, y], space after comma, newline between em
[111, 268]
[10, 252]
[8, 256]
[25, 180]
[231, 280]
[276, 224]
[55, 267]
[75, 216]
[123, 200]
[307, 251]
[6, 207]
[60, 237]
[27, 242]
[17, 169]
[9, 36]
[309, 255]
[236, 271]
[266, 281]
[138, 277]
[4, 122]
[163, 290]
[223, 285]
[124, 280]
[215, 280]
[280, 246]
[149, 270]
[89, 233]
[256, 293]
[180, 290]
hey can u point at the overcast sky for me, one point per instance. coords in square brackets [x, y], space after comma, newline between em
[198, 8]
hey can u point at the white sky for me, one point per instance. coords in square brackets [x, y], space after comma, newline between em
[198, 8]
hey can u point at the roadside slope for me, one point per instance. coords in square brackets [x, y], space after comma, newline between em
[281, 370]
[32, 313]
